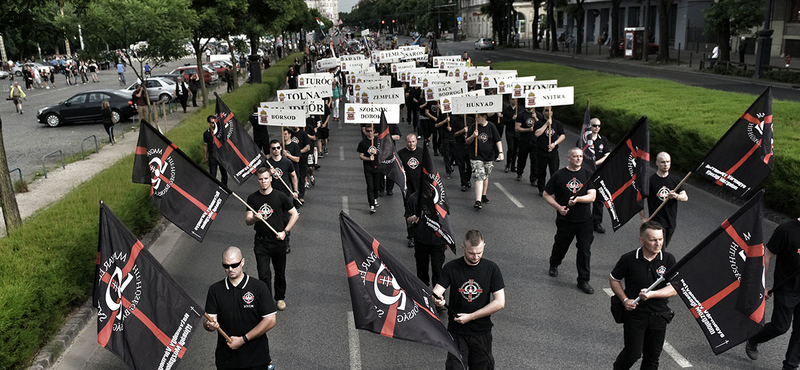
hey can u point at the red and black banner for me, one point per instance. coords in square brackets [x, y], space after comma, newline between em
[432, 206]
[622, 180]
[182, 191]
[721, 280]
[742, 158]
[388, 162]
[387, 298]
[235, 149]
[586, 143]
[143, 316]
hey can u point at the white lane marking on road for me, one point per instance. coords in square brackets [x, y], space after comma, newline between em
[682, 361]
[345, 205]
[355, 347]
[341, 153]
[511, 197]
[340, 124]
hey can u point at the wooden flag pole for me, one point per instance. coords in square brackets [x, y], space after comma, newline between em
[254, 211]
[665, 200]
[448, 120]
[209, 318]
[283, 181]
[372, 140]
[476, 135]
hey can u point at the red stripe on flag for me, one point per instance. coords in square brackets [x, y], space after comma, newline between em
[738, 164]
[431, 314]
[375, 245]
[637, 153]
[105, 334]
[388, 326]
[190, 198]
[750, 250]
[758, 314]
[140, 150]
[167, 151]
[227, 118]
[163, 338]
[238, 153]
[716, 298]
[135, 249]
[217, 143]
[370, 277]
[352, 269]
[384, 133]
[749, 118]
[98, 258]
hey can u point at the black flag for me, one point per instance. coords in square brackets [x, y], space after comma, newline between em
[387, 298]
[742, 158]
[235, 149]
[586, 143]
[182, 191]
[143, 316]
[721, 280]
[432, 206]
[388, 162]
[622, 180]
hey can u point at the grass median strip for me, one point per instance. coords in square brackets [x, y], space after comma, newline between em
[684, 120]
[47, 266]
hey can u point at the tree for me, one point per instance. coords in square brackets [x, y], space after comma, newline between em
[613, 33]
[664, 10]
[8, 200]
[551, 23]
[732, 18]
[157, 31]
[577, 11]
[535, 22]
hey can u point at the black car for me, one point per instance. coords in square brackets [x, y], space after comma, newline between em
[85, 107]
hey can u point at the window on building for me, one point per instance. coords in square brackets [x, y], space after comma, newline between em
[795, 11]
[559, 19]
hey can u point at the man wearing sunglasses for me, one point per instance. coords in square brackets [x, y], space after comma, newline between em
[599, 150]
[243, 308]
[270, 247]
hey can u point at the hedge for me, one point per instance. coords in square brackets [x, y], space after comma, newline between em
[685, 121]
[47, 265]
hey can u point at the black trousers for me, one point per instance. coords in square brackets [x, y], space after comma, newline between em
[301, 177]
[544, 161]
[461, 157]
[644, 336]
[194, 98]
[274, 252]
[597, 211]
[476, 351]
[212, 169]
[786, 307]
[527, 149]
[183, 99]
[448, 148]
[668, 231]
[513, 149]
[567, 231]
[372, 177]
[428, 254]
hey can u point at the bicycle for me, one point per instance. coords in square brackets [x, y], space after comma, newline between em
[121, 78]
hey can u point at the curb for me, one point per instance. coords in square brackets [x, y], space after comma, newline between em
[80, 318]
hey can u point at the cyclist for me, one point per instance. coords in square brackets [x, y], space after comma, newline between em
[121, 73]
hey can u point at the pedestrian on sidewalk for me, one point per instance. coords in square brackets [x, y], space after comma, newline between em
[108, 120]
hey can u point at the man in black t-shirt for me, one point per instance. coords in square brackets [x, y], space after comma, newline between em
[411, 157]
[509, 118]
[645, 320]
[291, 78]
[283, 170]
[368, 153]
[301, 138]
[260, 132]
[428, 248]
[210, 148]
[574, 217]
[524, 128]
[267, 206]
[785, 245]
[482, 160]
[662, 186]
[243, 308]
[471, 279]
[599, 150]
[291, 151]
[460, 124]
[394, 133]
[549, 133]
[448, 143]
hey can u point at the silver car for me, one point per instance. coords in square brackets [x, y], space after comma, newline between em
[158, 88]
[3, 74]
[484, 43]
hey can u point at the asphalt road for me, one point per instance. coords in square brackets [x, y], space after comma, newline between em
[547, 323]
[26, 140]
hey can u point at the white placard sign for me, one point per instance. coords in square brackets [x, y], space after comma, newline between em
[403, 66]
[365, 32]
[415, 54]
[452, 64]
[324, 64]
[520, 90]
[491, 79]
[283, 117]
[553, 97]
[315, 107]
[315, 80]
[386, 96]
[437, 60]
[371, 113]
[298, 106]
[304, 94]
[454, 89]
[354, 65]
[389, 56]
[514, 85]
[477, 104]
[351, 57]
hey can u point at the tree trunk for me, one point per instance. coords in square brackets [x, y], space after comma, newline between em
[198, 53]
[535, 25]
[664, 8]
[551, 22]
[724, 36]
[613, 34]
[235, 69]
[579, 36]
[8, 200]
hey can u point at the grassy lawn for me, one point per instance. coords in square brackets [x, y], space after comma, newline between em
[684, 120]
[47, 266]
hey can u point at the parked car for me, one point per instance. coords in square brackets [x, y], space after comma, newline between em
[484, 43]
[158, 89]
[209, 76]
[219, 68]
[168, 76]
[85, 107]
[4, 74]
[18, 68]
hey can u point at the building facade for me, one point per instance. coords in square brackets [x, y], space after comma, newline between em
[328, 8]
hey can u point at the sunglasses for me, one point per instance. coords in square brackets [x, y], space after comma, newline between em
[275, 148]
[232, 265]
[595, 125]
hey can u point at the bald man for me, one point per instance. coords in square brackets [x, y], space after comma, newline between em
[244, 309]
[662, 186]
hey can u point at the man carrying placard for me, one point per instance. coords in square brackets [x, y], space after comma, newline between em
[482, 159]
